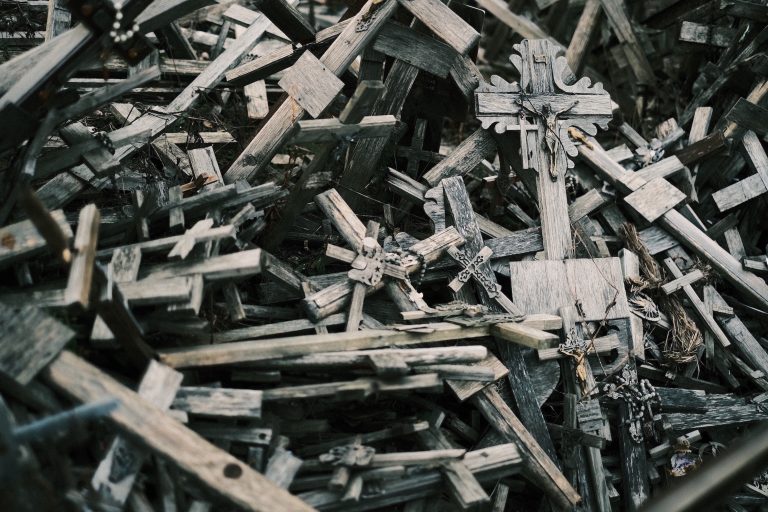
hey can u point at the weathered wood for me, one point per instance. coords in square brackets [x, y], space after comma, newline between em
[262, 350]
[742, 338]
[119, 468]
[256, 97]
[546, 286]
[710, 35]
[585, 28]
[311, 84]
[541, 469]
[282, 467]
[365, 95]
[22, 240]
[682, 229]
[363, 163]
[464, 488]
[219, 402]
[462, 160]
[654, 199]
[678, 283]
[78, 288]
[524, 335]
[30, 340]
[218, 471]
[615, 12]
[750, 187]
[445, 23]
[281, 122]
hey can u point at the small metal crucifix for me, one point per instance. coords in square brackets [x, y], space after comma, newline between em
[542, 106]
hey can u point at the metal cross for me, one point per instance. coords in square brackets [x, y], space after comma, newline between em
[543, 106]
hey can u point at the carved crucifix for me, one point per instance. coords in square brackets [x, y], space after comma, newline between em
[368, 268]
[371, 263]
[543, 106]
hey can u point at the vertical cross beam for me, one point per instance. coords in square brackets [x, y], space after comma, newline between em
[546, 99]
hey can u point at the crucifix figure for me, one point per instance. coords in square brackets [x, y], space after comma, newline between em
[546, 102]
[543, 105]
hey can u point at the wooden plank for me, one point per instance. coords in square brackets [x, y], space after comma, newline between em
[524, 335]
[524, 26]
[265, 349]
[464, 158]
[615, 12]
[585, 28]
[312, 85]
[333, 130]
[256, 98]
[444, 23]
[219, 402]
[417, 49]
[22, 240]
[464, 389]
[546, 286]
[541, 469]
[654, 199]
[710, 35]
[678, 283]
[78, 288]
[219, 472]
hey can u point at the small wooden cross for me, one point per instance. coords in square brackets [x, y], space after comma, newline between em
[415, 153]
[471, 269]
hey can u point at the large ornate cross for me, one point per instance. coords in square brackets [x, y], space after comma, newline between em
[543, 106]
[546, 102]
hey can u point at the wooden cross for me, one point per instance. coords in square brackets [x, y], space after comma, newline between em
[475, 257]
[544, 102]
[200, 232]
[471, 269]
[415, 153]
[369, 263]
[543, 106]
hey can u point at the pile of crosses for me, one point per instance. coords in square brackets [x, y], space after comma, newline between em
[385, 255]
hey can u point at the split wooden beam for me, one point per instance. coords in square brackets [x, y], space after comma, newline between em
[268, 349]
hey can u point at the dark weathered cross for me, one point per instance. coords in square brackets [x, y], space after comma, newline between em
[543, 106]
[471, 268]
